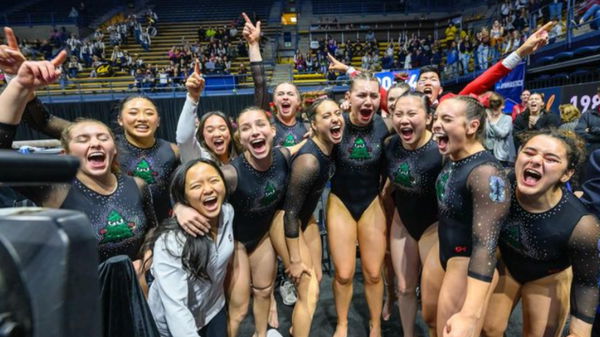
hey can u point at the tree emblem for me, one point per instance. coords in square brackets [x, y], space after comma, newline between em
[116, 228]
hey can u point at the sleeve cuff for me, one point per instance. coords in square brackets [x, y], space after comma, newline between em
[191, 100]
[512, 60]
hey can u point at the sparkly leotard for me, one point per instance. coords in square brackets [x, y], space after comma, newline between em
[257, 196]
[473, 198]
[154, 165]
[120, 220]
[535, 245]
[311, 169]
[359, 165]
[413, 173]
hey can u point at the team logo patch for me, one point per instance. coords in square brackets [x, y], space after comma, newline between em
[289, 140]
[360, 150]
[117, 228]
[403, 176]
[144, 171]
[497, 189]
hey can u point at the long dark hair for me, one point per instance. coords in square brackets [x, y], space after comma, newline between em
[231, 148]
[196, 250]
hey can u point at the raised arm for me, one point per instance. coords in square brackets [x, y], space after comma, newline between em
[31, 75]
[585, 259]
[185, 134]
[251, 33]
[488, 79]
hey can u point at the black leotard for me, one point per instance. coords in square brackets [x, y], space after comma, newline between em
[359, 165]
[535, 245]
[257, 195]
[155, 166]
[119, 220]
[413, 173]
[288, 135]
[311, 169]
[474, 198]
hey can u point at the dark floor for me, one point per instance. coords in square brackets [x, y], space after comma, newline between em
[325, 318]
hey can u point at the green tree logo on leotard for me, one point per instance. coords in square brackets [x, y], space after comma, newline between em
[512, 236]
[144, 171]
[270, 194]
[117, 228]
[359, 150]
[440, 186]
[289, 140]
[403, 176]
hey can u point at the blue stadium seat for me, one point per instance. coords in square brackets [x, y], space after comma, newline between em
[585, 51]
[582, 75]
[543, 61]
[566, 55]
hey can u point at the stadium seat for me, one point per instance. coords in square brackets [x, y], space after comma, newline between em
[543, 61]
[585, 51]
[566, 55]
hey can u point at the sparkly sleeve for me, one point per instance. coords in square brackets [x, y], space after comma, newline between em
[38, 117]
[585, 259]
[261, 94]
[7, 135]
[490, 191]
[148, 205]
[305, 169]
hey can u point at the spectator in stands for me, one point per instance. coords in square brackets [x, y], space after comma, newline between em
[145, 40]
[46, 50]
[210, 33]
[592, 13]
[555, 9]
[451, 32]
[520, 107]
[95, 64]
[74, 44]
[74, 66]
[588, 127]
[513, 42]
[163, 78]
[483, 50]
[498, 131]
[496, 34]
[521, 22]
[370, 36]
[117, 58]
[98, 48]
[209, 65]
[505, 8]
[149, 79]
[464, 54]
[98, 35]
[86, 53]
[451, 60]
[569, 116]
[535, 117]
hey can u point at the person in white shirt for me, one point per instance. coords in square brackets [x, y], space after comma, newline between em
[187, 296]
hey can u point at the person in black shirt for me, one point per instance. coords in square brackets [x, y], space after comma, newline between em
[413, 163]
[473, 197]
[548, 244]
[298, 241]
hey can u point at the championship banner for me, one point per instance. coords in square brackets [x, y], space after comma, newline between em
[511, 86]
[583, 96]
[387, 78]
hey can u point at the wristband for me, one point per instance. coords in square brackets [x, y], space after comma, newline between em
[512, 60]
